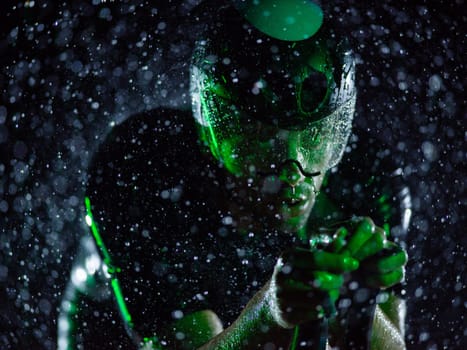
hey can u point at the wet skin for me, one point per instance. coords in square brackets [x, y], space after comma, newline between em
[272, 184]
[283, 201]
[304, 288]
[273, 192]
[306, 283]
[309, 280]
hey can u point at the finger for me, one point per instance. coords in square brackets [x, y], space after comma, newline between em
[319, 280]
[363, 232]
[339, 240]
[334, 262]
[317, 260]
[319, 241]
[389, 263]
[386, 280]
[326, 281]
[372, 246]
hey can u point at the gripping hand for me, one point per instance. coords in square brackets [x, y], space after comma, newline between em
[305, 284]
[382, 262]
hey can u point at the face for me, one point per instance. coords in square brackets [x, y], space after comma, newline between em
[277, 131]
[281, 200]
[278, 172]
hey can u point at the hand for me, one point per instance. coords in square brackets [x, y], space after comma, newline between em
[382, 263]
[305, 284]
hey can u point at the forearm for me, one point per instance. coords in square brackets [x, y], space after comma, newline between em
[254, 328]
[387, 332]
[388, 326]
[87, 282]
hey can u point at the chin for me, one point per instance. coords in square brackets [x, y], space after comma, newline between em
[288, 220]
[270, 218]
[292, 225]
[279, 211]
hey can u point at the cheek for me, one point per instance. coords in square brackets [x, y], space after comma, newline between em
[314, 159]
[317, 181]
[241, 156]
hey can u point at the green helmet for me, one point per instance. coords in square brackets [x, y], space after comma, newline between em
[260, 101]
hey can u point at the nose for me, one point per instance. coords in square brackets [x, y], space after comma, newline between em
[290, 173]
[291, 144]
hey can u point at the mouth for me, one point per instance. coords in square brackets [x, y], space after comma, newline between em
[295, 204]
[294, 199]
[296, 209]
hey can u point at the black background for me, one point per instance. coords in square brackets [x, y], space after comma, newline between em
[68, 71]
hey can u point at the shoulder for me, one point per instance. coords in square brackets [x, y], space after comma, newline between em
[153, 135]
[140, 171]
[147, 153]
[147, 168]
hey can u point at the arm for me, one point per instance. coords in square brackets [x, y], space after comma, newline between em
[87, 280]
[381, 266]
[388, 325]
[303, 289]
[254, 328]
[303, 286]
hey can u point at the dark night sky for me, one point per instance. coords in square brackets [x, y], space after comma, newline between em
[68, 71]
